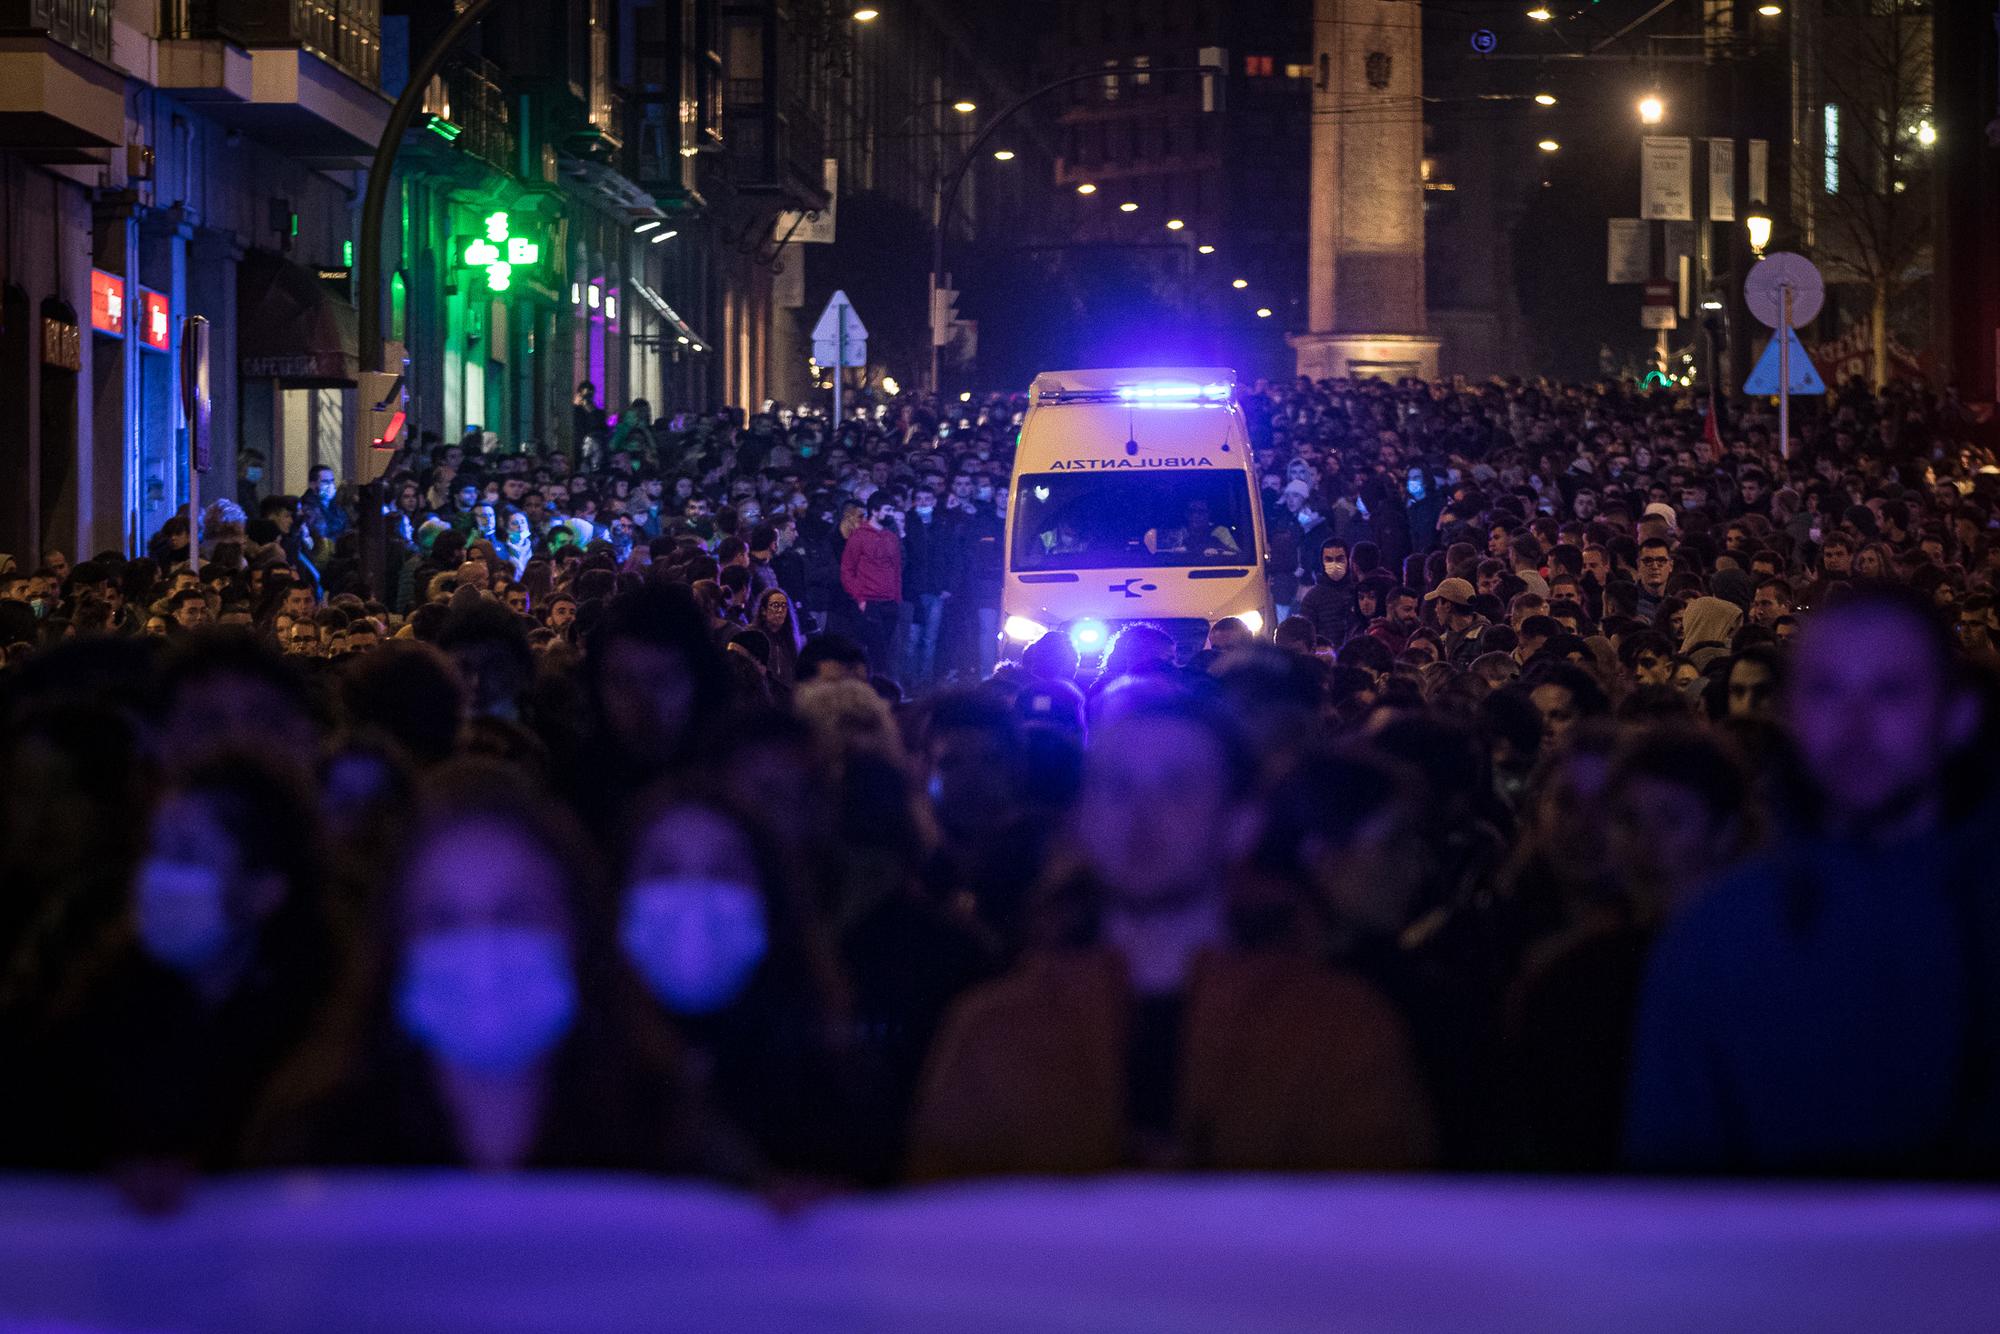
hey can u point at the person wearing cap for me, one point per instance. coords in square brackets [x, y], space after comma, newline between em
[1451, 604]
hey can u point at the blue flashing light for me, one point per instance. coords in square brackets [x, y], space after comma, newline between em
[1173, 391]
[1088, 636]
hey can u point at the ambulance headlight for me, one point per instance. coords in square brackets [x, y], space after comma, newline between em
[1088, 636]
[1253, 621]
[1023, 629]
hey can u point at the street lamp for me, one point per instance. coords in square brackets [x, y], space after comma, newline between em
[1651, 109]
[1086, 189]
[1548, 145]
[1003, 155]
[1263, 312]
[1545, 99]
[1175, 224]
[867, 14]
[1540, 14]
[1239, 283]
[963, 107]
[1128, 207]
[1204, 250]
[1770, 11]
[1758, 224]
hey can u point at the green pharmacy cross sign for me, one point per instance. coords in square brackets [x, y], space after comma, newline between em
[499, 252]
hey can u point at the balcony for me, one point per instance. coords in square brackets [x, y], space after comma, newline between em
[312, 77]
[773, 100]
[60, 98]
[469, 94]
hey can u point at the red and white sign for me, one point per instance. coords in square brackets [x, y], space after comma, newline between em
[157, 330]
[1656, 309]
[107, 303]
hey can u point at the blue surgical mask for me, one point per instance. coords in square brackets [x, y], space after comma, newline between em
[182, 920]
[489, 999]
[925, 511]
[696, 941]
[253, 474]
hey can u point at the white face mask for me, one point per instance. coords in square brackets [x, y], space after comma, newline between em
[696, 941]
[488, 999]
[181, 918]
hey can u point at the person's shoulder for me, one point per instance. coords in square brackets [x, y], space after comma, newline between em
[1737, 917]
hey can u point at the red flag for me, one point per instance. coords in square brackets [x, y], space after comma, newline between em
[1711, 431]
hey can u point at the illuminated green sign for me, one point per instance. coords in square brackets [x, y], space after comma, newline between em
[499, 252]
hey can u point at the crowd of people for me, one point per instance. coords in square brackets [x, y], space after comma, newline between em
[1611, 794]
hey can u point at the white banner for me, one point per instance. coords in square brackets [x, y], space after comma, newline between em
[455, 1253]
[1628, 254]
[1759, 183]
[1666, 192]
[1722, 180]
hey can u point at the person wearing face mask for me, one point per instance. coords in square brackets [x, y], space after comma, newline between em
[719, 939]
[518, 548]
[493, 1034]
[157, 1070]
[324, 518]
[1329, 603]
[871, 574]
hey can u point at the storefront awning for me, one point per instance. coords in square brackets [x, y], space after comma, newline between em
[291, 328]
[679, 331]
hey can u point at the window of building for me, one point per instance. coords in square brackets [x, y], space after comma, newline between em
[1260, 67]
[1142, 63]
[1111, 82]
[1298, 71]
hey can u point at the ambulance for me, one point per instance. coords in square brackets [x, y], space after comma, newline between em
[1134, 500]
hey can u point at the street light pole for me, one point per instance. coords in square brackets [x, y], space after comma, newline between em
[949, 183]
[376, 199]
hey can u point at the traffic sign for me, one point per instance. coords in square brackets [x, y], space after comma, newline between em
[1484, 42]
[1764, 290]
[1768, 376]
[840, 338]
[1656, 307]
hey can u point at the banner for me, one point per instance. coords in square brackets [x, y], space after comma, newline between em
[1759, 183]
[1722, 180]
[1666, 191]
[455, 1253]
[1628, 250]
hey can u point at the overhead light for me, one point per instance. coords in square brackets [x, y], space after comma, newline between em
[610, 305]
[1545, 99]
[1239, 283]
[1086, 189]
[1003, 155]
[1770, 11]
[1651, 109]
[965, 396]
[645, 227]
[963, 107]
[1204, 250]
[576, 294]
[1128, 207]
[867, 14]
[1263, 312]
[1540, 14]
[889, 383]
[1711, 304]
[682, 340]
[665, 236]
[1175, 224]
[596, 295]
[1548, 145]
[1926, 134]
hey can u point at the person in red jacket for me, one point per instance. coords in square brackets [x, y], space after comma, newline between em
[871, 571]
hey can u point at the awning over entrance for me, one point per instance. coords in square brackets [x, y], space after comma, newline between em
[678, 329]
[291, 327]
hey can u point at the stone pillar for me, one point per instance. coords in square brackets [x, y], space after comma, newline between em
[1365, 296]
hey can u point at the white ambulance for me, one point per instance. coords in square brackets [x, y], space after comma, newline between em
[1134, 500]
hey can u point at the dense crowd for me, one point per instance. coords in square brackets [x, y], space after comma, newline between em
[1612, 793]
